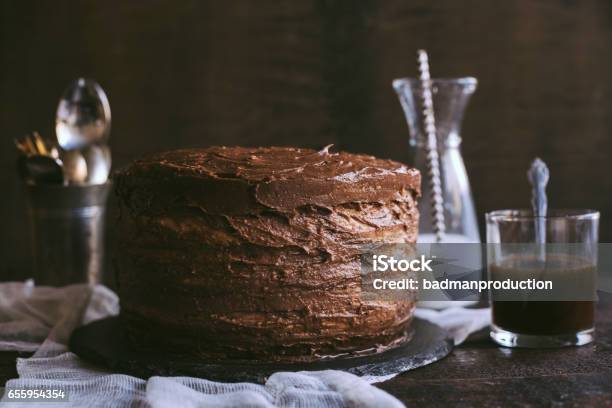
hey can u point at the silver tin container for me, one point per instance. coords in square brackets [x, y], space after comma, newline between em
[67, 232]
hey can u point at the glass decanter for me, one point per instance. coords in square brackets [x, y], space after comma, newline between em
[450, 98]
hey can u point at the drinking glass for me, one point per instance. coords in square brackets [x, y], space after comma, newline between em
[562, 315]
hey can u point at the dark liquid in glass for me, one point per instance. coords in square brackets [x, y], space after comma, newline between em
[546, 313]
[545, 318]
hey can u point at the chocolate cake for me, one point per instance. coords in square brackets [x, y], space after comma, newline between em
[253, 253]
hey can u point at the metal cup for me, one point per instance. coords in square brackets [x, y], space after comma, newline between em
[67, 232]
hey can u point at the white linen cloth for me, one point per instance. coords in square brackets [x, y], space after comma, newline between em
[41, 319]
[458, 321]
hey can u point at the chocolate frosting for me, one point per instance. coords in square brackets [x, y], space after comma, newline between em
[254, 252]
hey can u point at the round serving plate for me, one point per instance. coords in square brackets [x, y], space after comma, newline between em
[104, 343]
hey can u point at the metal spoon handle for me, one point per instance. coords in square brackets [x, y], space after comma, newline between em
[538, 176]
[433, 161]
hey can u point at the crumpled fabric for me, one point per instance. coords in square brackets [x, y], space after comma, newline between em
[41, 320]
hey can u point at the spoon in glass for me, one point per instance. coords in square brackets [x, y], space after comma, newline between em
[83, 115]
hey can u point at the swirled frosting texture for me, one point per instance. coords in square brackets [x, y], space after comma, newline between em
[253, 253]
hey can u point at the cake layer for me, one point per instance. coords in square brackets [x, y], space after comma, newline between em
[237, 180]
[254, 253]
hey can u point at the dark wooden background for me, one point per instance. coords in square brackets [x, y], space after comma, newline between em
[312, 72]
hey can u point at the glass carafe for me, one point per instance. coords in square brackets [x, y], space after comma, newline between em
[450, 98]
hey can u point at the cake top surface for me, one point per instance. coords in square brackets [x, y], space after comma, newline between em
[238, 179]
[274, 163]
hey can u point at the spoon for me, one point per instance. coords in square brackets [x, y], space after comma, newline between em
[75, 167]
[433, 160]
[83, 115]
[98, 162]
[538, 176]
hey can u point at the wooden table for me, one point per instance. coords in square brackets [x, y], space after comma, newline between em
[482, 374]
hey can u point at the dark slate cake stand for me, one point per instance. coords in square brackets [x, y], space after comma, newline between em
[104, 343]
